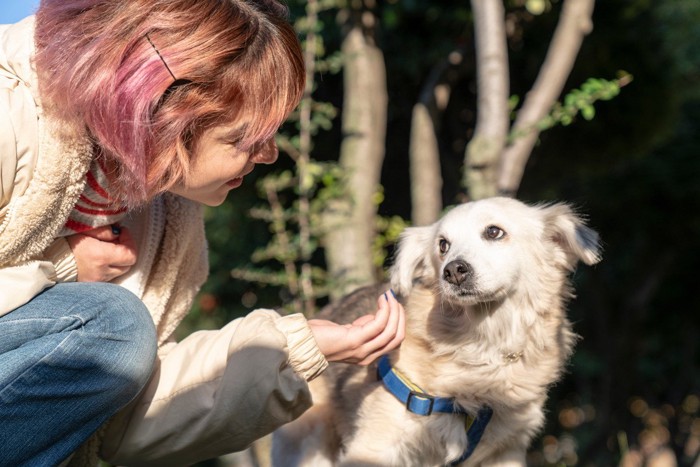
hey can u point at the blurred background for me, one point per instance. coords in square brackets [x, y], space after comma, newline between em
[391, 81]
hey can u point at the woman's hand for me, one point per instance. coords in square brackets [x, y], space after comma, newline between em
[367, 338]
[103, 254]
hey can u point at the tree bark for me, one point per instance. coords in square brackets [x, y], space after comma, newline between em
[424, 160]
[424, 151]
[484, 150]
[350, 226]
[574, 24]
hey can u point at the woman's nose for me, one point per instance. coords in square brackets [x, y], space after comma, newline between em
[267, 153]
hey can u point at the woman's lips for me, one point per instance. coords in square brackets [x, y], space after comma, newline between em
[238, 181]
[235, 183]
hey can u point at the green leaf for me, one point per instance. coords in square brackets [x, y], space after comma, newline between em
[588, 112]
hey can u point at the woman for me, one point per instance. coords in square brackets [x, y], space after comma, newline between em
[118, 121]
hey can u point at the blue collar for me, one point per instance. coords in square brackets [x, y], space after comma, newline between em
[421, 403]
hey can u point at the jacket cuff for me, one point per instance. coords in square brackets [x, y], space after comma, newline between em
[60, 254]
[304, 355]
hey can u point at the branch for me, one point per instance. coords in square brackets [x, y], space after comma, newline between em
[283, 238]
[310, 46]
[574, 24]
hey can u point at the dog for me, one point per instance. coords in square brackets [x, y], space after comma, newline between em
[485, 290]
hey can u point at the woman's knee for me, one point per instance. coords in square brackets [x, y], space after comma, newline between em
[124, 331]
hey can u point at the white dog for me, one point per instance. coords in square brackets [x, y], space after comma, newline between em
[485, 290]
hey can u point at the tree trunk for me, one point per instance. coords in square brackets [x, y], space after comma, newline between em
[491, 166]
[424, 166]
[424, 151]
[351, 225]
[574, 24]
[484, 150]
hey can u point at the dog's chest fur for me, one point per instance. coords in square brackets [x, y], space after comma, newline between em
[457, 353]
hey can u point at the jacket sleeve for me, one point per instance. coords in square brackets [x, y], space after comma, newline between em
[218, 391]
[21, 283]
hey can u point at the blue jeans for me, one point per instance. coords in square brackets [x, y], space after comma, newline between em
[69, 360]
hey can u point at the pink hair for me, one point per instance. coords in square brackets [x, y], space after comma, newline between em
[234, 60]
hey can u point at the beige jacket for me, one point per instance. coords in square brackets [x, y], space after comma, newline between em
[214, 392]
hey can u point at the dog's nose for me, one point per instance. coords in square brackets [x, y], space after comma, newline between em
[457, 272]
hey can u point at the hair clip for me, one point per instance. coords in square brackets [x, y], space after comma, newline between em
[161, 57]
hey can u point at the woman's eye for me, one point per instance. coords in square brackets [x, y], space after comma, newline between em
[494, 233]
[234, 143]
[444, 246]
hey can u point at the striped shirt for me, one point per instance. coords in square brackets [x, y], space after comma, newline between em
[95, 207]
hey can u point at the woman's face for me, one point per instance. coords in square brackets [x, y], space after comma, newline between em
[219, 165]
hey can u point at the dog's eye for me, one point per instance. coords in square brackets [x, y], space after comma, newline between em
[444, 246]
[494, 233]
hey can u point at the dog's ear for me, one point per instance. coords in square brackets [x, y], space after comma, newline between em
[413, 258]
[568, 230]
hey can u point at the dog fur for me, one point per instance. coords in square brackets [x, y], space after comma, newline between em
[485, 290]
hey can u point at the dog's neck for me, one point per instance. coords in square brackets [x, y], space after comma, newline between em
[441, 337]
[452, 354]
[443, 327]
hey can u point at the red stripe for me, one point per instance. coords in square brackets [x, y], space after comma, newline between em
[78, 227]
[99, 212]
[87, 200]
[94, 184]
